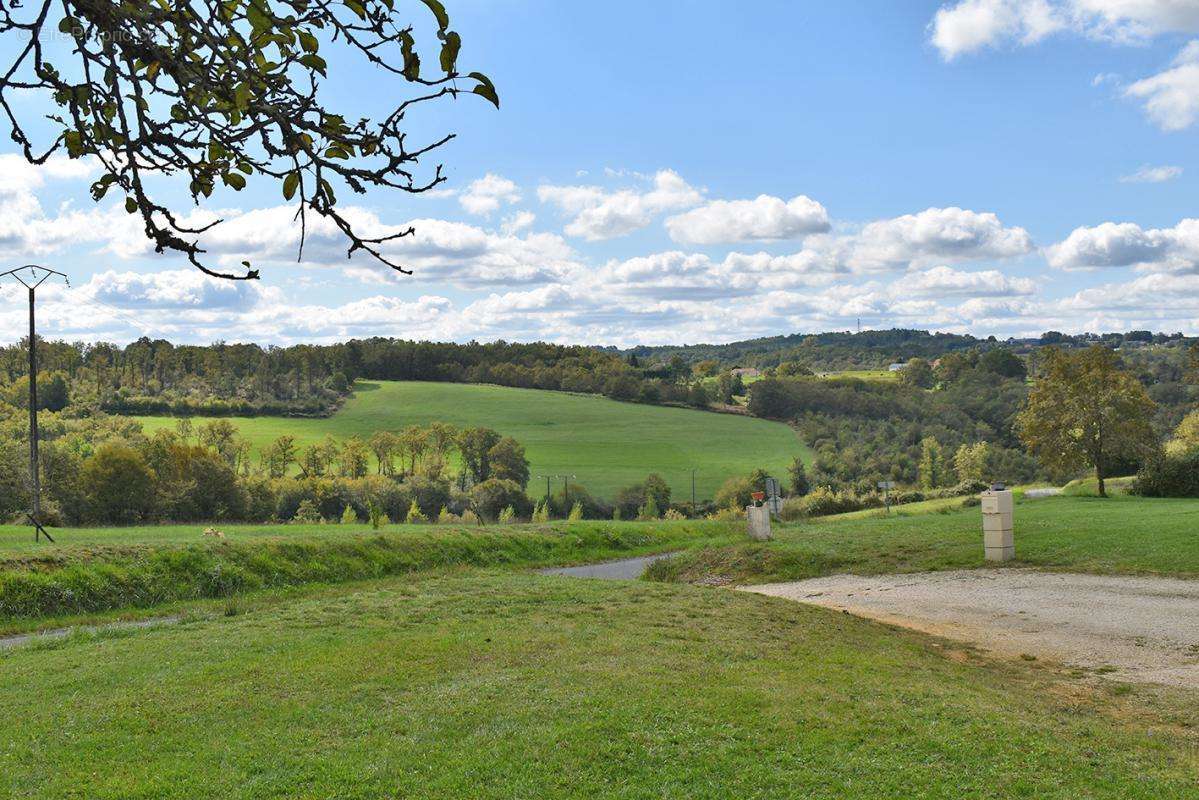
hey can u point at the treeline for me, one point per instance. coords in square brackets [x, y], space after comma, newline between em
[155, 377]
[104, 469]
[864, 432]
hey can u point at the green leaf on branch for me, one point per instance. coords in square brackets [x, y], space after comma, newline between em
[443, 19]
[449, 52]
[290, 184]
[486, 88]
[130, 205]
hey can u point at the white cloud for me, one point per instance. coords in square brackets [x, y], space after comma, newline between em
[598, 214]
[1126, 244]
[169, 289]
[946, 281]
[518, 222]
[764, 218]
[935, 234]
[971, 25]
[487, 194]
[1171, 97]
[438, 250]
[1148, 174]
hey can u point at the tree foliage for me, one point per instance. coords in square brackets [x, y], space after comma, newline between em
[222, 92]
[1085, 411]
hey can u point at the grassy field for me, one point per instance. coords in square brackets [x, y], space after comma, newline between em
[604, 443]
[884, 375]
[1121, 534]
[502, 685]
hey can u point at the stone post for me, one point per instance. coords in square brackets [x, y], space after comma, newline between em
[759, 523]
[998, 542]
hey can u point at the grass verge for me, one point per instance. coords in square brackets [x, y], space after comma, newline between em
[69, 581]
[1117, 535]
[515, 685]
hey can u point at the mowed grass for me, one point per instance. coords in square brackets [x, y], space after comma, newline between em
[1117, 535]
[503, 685]
[605, 444]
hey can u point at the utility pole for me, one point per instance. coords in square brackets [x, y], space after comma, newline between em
[693, 511]
[29, 277]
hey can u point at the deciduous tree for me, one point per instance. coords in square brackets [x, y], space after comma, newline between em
[1085, 411]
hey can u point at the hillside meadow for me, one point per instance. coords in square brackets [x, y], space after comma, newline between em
[604, 443]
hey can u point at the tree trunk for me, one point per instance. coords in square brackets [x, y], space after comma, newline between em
[1099, 475]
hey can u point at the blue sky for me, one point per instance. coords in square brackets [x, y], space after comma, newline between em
[681, 172]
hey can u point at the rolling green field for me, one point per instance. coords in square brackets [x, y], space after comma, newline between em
[604, 443]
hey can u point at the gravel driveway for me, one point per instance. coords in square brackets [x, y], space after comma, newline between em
[1145, 628]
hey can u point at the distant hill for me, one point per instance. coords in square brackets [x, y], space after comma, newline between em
[872, 349]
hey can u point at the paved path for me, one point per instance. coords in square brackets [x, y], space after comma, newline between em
[1147, 628]
[626, 569]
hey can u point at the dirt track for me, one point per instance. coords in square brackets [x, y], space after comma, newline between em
[1146, 628]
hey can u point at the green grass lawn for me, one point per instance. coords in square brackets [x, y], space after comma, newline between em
[506, 685]
[604, 443]
[1120, 534]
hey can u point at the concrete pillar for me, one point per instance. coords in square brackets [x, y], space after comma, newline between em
[759, 523]
[997, 508]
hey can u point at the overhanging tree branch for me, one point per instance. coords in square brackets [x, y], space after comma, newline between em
[222, 91]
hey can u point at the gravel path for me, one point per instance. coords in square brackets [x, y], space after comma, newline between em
[1146, 628]
[627, 569]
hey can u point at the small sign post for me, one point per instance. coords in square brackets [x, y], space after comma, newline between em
[886, 486]
[773, 501]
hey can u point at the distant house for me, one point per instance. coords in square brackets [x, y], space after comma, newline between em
[896, 367]
[747, 372]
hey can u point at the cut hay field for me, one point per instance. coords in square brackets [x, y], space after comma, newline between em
[604, 443]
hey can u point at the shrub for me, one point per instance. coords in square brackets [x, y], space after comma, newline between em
[735, 493]
[349, 517]
[118, 484]
[1169, 476]
[415, 515]
[649, 510]
[446, 517]
[306, 513]
[576, 512]
[674, 514]
[541, 512]
[508, 515]
[491, 497]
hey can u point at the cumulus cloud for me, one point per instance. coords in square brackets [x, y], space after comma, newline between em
[971, 25]
[1171, 97]
[946, 281]
[437, 250]
[487, 194]
[599, 214]
[1126, 244]
[764, 218]
[169, 289]
[935, 234]
[1148, 174]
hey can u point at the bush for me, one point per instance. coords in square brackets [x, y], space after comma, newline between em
[118, 484]
[306, 514]
[576, 512]
[735, 493]
[415, 516]
[491, 497]
[1169, 476]
[349, 517]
